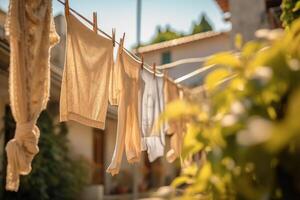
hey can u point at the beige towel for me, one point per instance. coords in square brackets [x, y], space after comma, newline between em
[126, 93]
[31, 32]
[84, 90]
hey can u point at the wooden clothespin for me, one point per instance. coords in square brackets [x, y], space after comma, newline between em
[113, 37]
[95, 23]
[154, 69]
[142, 59]
[165, 74]
[122, 42]
[123, 38]
[67, 8]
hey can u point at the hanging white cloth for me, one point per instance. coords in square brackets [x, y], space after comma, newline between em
[31, 32]
[153, 137]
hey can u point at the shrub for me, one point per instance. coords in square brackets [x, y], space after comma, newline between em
[55, 175]
[247, 129]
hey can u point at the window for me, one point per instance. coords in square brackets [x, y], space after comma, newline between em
[98, 140]
[166, 57]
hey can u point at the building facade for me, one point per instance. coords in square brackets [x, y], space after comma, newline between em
[199, 45]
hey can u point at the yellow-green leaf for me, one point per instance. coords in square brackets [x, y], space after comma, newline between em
[227, 59]
[181, 180]
[297, 7]
[238, 42]
[213, 78]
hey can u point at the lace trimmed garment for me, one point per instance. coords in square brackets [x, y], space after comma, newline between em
[85, 84]
[30, 28]
[153, 137]
[125, 92]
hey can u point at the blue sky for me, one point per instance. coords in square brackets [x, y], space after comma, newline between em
[121, 14]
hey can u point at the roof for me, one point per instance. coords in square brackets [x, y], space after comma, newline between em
[178, 41]
[224, 5]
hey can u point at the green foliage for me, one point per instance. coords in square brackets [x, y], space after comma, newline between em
[290, 11]
[248, 127]
[202, 26]
[167, 34]
[55, 175]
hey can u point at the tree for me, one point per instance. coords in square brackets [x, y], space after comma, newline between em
[167, 34]
[55, 175]
[202, 26]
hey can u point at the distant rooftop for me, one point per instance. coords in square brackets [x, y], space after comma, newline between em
[224, 5]
[178, 41]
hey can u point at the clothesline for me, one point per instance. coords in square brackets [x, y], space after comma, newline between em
[194, 73]
[146, 66]
[202, 88]
[198, 71]
[181, 62]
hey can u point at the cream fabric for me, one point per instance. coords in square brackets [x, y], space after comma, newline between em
[31, 33]
[85, 83]
[126, 94]
[175, 128]
[153, 137]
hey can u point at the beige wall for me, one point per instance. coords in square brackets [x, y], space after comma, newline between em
[2, 17]
[81, 140]
[247, 16]
[2, 22]
[200, 48]
[168, 170]
[110, 141]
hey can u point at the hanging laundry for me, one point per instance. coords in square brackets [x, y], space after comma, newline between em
[153, 137]
[175, 128]
[126, 94]
[30, 28]
[85, 83]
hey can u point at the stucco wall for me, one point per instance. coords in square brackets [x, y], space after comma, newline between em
[110, 141]
[2, 17]
[247, 16]
[81, 140]
[197, 49]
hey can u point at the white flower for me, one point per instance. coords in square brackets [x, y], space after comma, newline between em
[275, 34]
[294, 64]
[269, 34]
[264, 74]
[229, 120]
[262, 33]
[237, 108]
[258, 131]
